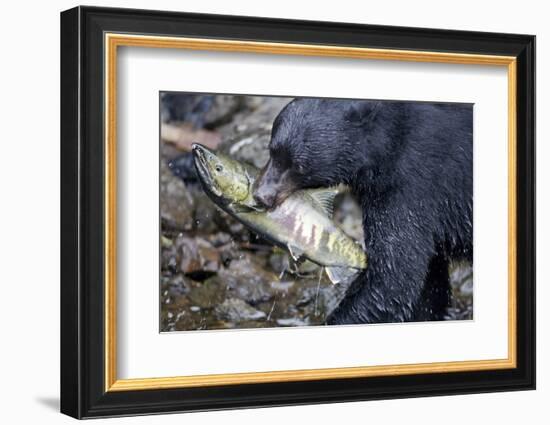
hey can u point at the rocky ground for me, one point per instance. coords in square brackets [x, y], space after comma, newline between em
[215, 274]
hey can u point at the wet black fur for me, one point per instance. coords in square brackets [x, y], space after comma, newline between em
[410, 166]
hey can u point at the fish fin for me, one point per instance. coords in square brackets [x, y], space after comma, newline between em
[294, 265]
[295, 252]
[338, 274]
[325, 199]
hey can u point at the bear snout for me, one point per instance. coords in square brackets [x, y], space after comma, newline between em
[265, 198]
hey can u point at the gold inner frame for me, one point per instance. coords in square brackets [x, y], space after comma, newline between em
[113, 41]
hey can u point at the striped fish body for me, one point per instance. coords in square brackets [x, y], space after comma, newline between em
[303, 228]
[302, 224]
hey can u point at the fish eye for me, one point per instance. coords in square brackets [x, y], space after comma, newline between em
[219, 168]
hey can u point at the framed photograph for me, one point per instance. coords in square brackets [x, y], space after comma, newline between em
[261, 212]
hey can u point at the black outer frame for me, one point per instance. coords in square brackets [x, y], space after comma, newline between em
[82, 206]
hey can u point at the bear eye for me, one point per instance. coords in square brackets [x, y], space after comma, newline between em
[219, 168]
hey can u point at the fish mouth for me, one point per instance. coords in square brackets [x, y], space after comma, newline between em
[200, 156]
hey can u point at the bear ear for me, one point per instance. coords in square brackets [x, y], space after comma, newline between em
[362, 111]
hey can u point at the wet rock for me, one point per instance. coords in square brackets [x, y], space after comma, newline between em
[467, 288]
[166, 242]
[184, 118]
[174, 285]
[278, 261]
[189, 108]
[176, 205]
[283, 286]
[183, 136]
[210, 256]
[317, 298]
[193, 319]
[252, 149]
[252, 103]
[247, 136]
[195, 256]
[202, 111]
[169, 258]
[461, 279]
[256, 113]
[459, 273]
[307, 296]
[332, 295]
[293, 321]
[236, 310]
[312, 303]
[206, 216]
[248, 280]
[238, 229]
[207, 294]
[189, 257]
[183, 166]
[223, 110]
[168, 152]
[220, 239]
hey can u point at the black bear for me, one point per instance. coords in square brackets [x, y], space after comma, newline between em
[410, 166]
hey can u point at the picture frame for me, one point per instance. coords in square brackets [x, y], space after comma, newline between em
[90, 40]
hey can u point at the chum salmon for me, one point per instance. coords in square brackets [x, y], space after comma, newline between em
[302, 224]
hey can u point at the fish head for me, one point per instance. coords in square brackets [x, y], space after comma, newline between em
[221, 176]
